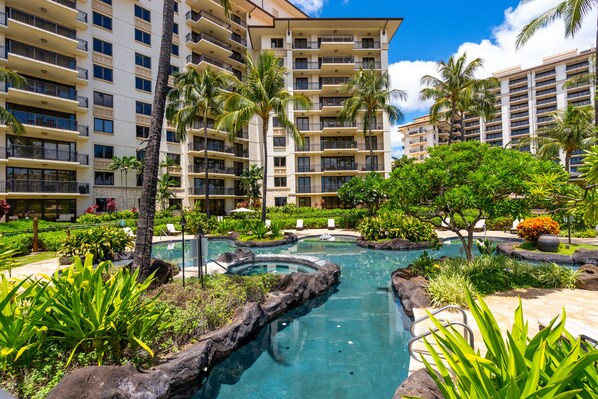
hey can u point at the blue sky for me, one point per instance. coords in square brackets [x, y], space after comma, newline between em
[434, 30]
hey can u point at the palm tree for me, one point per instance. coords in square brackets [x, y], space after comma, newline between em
[262, 94]
[571, 130]
[125, 165]
[196, 93]
[6, 118]
[164, 192]
[145, 223]
[250, 181]
[370, 94]
[573, 12]
[456, 91]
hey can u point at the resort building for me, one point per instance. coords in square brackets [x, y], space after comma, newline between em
[524, 101]
[91, 67]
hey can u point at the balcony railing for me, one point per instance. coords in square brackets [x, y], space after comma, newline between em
[49, 121]
[68, 3]
[197, 59]
[49, 154]
[338, 60]
[307, 86]
[338, 145]
[210, 147]
[196, 16]
[213, 169]
[213, 191]
[306, 45]
[306, 65]
[239, 40]
[368, 65]
[42, 55]
[333, 102]
[238, 20]
[337, 39]
[367, 45]
[328, 168]
[41, 23]
[327, 188]
[48, 88]
[42, 186]
[324, 125]
[242, 153]
[242, 134]
[197, 37]
[334, 80]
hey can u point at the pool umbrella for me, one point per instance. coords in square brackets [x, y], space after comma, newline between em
[241, 210]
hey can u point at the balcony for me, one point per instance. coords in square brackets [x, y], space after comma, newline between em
[368, 65]
[239, 21]
[214, 191]
[202, 62]
[367, 45]
[337, 43]
[42, 186]
[39, 93]
[51, 65]
[211, 147]
[306, 86]
[40, 123]
[205, 22]
[60, 11]
[305, 45]
[337, 64]
[44, 154]
[238, 39]
[207, 44]
[338, 145]
[56, 37]
[327, 188]
[306, 65]
[213, 169]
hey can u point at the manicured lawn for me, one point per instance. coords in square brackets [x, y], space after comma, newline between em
[27, 259]
[563, 250]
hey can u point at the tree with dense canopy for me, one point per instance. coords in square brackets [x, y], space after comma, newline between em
[196, 93]
[573, 13]
[457, 92]
[463, 178]
[263, 94]
[250, 181]
[368, 192]
[370, 94]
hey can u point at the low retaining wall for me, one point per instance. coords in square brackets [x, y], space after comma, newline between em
[178, 377]
[288, 238]
[396, 244]
[580, 257]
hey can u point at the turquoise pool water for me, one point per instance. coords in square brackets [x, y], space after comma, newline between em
[351, 346]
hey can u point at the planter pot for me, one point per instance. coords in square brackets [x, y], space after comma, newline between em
[548, 243]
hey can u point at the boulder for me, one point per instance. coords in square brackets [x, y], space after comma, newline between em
[396, 244]
[227, 257]
[242, 253]
[412, 292]
[585, 256]
[588, 279]
[419, 385]
[163, 272]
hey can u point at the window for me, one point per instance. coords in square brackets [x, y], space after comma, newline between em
[280, 141]
[102, 204]
[103, 151]
[142, 132]
[176, 180]
[143, 60]
[103, 125]
[143, 84]
[175, 28]
[176, 7]
[171, 137]
[102, 20]
[175, 49]
[109, 2]
[100, 46]
[175, 157]
[103, 99]
[280, 161]
[174, 69]
[143, 13]
[104, 178]
[280, 182]
[143, 108]
[304, 202]
[100, 72]
[280, 201]
[143, 37]
[276, 43]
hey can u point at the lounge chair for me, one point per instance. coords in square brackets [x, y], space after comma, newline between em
[331, 224]
[299, 226]
[513, 228]
[171, 230]
[444, 224]
[129, 232]
[480, 225]
[268, 223]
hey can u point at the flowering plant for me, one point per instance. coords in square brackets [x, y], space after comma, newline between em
[92, 209]
[531, 229]
[4, 208]
[111, 205]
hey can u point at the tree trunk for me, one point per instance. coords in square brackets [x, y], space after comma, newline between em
[147, 207]
[596, 78]
[371, 149]
[126, 189]
[121, 182]
[467, 243]
[452, 125]
[461, 125]
[205, 160]
[265, 165]
[567, 161]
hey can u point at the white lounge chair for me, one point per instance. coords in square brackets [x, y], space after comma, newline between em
[331, 225]
[299, 226]
[171, 230]
[513, 229]
[129, 232]
[480, 225]
[268, 223]
[444, 224]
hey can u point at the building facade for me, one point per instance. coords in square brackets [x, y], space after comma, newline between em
[524, 101]
[91, 67]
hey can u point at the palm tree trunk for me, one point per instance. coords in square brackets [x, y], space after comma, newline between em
[567, 161]
[205, 160]
[147, 207]
[126, 189]
[452, 125]
[371, 149]
[596, 79]
[265, 165]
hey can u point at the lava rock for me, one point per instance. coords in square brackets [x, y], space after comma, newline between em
[163, 272]
[508, 249]
[588, 279]
[585, 256]
[420, 385]
[412, 292]
[396, 244]
[244, 253]
[227, 257]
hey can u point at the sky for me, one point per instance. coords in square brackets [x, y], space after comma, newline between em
[434, 30]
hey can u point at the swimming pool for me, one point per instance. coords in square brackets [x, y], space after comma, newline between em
[352, 346]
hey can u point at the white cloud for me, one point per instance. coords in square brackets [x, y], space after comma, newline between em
[311, 7]
[498, 51]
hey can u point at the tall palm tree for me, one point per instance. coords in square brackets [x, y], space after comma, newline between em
[147, 206]
[571, 130]
[117, 163]
[164, 190]
[453, 91]
[370, 94]
[573, 12]
[6, 118]
[196, 93]
[262, 94]
[125, 164]
[250, 181]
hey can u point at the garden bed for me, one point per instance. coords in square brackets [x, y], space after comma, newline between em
[395, 244]
[579, 256]
[288, 238]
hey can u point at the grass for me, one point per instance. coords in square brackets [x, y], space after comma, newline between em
[268, 238]
[32, 258]
[563, 250]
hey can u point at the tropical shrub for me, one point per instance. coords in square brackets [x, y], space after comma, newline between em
[259, 229]
[531, 229]
[4, 208]
[425, 265]
[587, 233]
[395, 225]
[276, 228]
[100, 242]
[195, 219]
[555, 276]
[449, 289]
[499, 223]
[21, 243]
[514, 366]
[51, 240]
